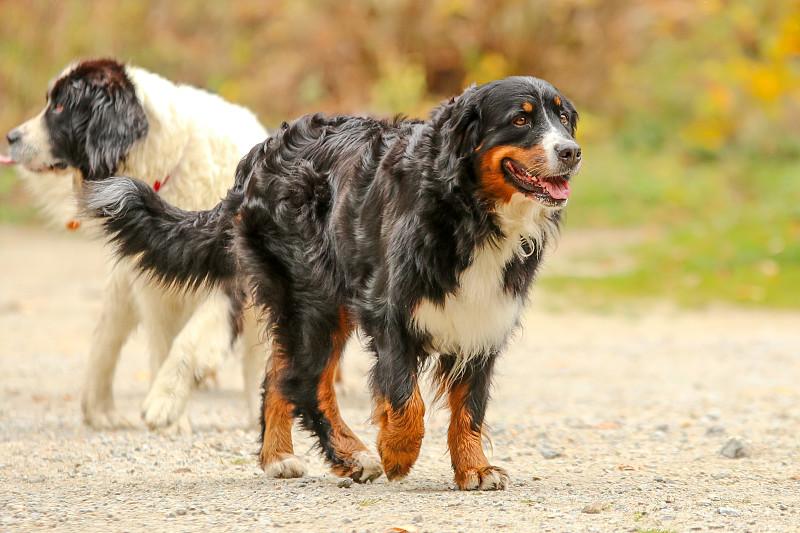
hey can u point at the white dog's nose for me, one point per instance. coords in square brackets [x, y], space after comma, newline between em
[13, 136]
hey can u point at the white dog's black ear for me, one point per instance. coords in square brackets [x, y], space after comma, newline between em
[117, 121]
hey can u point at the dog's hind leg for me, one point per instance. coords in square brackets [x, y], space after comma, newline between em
[312, 349]
[117, 320]
[277, 452]
[356, 462]
[468, 395]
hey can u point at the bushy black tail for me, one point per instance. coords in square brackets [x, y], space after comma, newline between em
[181, 248]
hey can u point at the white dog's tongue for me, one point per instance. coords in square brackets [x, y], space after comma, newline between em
[558, 190]
[5, 160]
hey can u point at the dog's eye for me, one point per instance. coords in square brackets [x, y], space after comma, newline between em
[563, 117]
[58, 109]
[521, 121]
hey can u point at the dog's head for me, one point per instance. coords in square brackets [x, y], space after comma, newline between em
[517, 135]
[90, 121]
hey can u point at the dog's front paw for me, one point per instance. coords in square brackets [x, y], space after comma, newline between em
[366, 467]
[160, 410]
[287, 466]
[483, 478]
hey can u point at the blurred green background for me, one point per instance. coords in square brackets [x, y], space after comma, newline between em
[690, 109]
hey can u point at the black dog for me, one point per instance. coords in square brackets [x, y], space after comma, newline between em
[426, 235]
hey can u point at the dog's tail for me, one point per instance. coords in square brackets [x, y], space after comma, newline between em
[180, 248]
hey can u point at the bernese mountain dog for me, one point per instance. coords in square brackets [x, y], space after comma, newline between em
[426, 235]
[102, 117]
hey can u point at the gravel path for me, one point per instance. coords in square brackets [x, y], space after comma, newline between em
[605, 422]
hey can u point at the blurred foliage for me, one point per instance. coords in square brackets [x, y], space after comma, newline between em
[690, 109]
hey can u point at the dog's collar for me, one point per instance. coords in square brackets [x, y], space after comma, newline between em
[158, 184]
[73, 225]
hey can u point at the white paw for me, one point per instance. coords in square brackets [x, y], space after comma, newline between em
[486, 478]
[369, 467]
[181, 426]
[161, 409]
[105, 419]
[289, 466]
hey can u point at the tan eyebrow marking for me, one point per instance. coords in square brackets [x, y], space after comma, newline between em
[558, 101]
[527, 106]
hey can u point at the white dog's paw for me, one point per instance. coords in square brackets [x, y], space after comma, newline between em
[287, 467]
[160, 409]
[181, 426]
[105, 419]
[484, 478]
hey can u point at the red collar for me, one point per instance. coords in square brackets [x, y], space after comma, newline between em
[73, 225]
[158, 184]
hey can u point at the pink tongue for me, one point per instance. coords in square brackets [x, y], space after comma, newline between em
[5, 160]
[559, 191]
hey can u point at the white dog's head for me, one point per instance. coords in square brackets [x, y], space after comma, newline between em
[90, 121]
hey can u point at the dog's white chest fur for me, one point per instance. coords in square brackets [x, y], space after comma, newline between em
[479, 316]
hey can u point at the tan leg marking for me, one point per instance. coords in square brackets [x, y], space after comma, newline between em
[400, 436]
[277, 453]
[359, 465]
[472, 469]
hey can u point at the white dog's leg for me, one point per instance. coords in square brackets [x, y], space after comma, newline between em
[255, 351]
[117, 320]
[199, 348]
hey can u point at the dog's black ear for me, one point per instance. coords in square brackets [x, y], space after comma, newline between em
[118, 120]
[462, 129]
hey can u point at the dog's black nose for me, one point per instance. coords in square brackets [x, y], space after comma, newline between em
[13, 136]
[569, 152]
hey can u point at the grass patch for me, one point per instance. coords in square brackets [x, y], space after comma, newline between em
[726, 230]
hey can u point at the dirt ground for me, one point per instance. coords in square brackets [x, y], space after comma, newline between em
[608, 421]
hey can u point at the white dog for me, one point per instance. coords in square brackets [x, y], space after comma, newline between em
[103, 118]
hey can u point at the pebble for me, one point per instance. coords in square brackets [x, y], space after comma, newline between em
[345, 483]
[721, 475]
[716, 429]
[736, 447]
[728, 511]
[548, 452]
[593, 508]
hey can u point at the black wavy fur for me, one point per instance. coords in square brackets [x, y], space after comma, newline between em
[354, 214]
[94, 117]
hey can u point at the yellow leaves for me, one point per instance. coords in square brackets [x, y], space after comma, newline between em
[230, 89]
[454, 8]
[491, 66]
[401, 87]
[767, 82]
[789, 41]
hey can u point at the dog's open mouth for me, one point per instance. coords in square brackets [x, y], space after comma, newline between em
[58, 165]
[549, 190]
